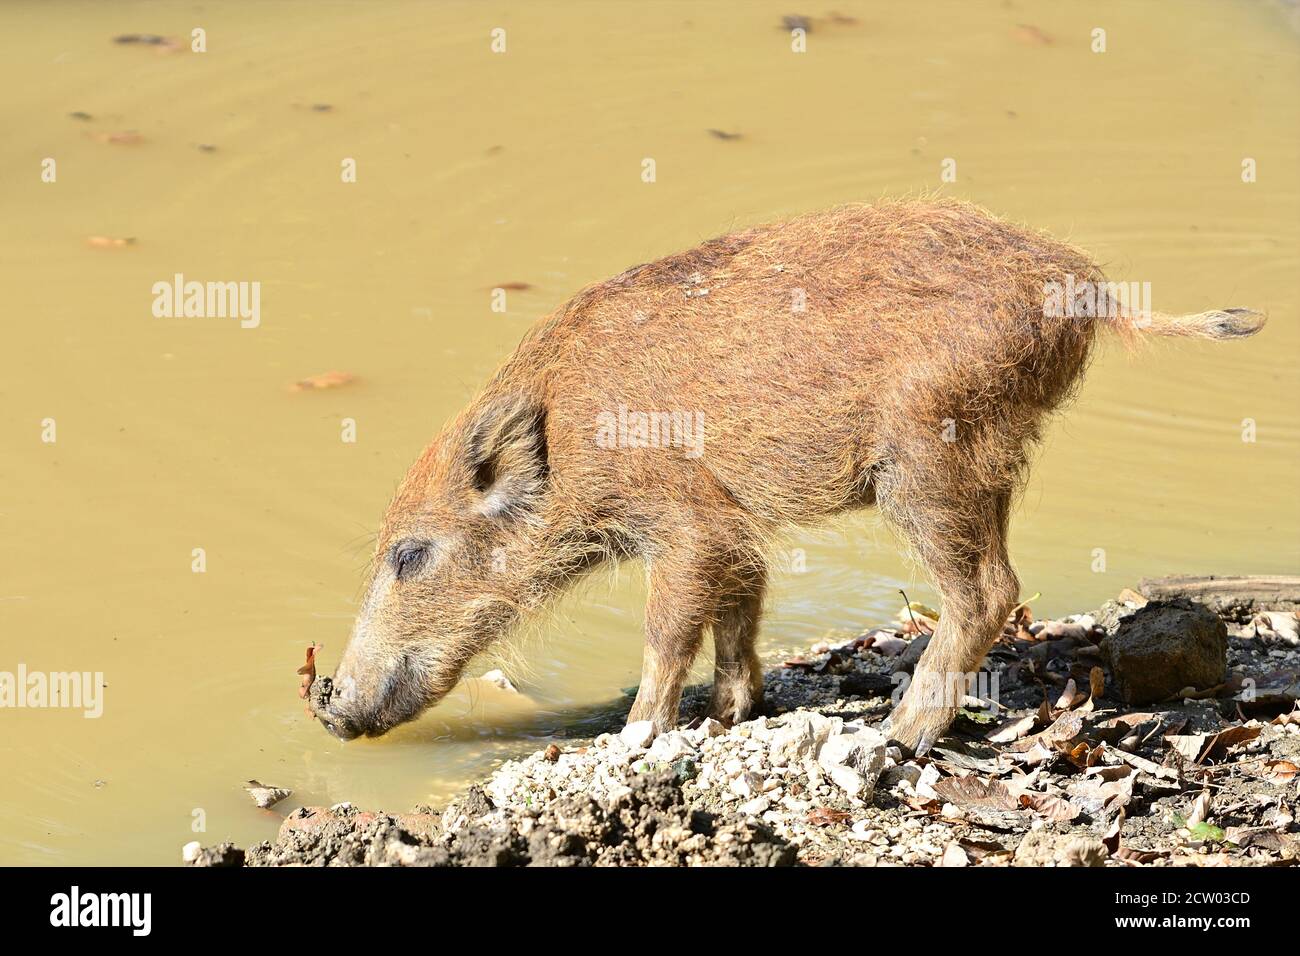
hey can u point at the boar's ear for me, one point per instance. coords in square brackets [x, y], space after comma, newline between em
[507, 454]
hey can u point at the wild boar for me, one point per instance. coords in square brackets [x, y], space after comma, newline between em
[901, 355]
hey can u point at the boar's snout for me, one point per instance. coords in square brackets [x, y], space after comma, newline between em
[371, 700]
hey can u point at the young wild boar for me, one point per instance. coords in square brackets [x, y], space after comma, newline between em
[901, 355]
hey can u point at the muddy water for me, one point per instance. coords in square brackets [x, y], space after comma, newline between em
[476, 169]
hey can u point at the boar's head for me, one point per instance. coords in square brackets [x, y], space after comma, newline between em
[471, 539]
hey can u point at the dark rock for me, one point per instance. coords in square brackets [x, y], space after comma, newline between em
[223, 854]
[908, 659]
[1167, 646]
[866, 685]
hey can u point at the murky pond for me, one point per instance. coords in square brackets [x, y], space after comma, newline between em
[195, 523]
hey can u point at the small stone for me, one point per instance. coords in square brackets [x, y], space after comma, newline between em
[756, 807]
[747, 784]
[552, 753]
[638, 735]
[190, 851]
[854, 761]
[799, 736]
[848, 780]
[670, 747]
[685, 769]
[265, 795]
[710, 728]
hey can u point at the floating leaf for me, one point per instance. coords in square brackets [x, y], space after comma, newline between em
[308, 670]
[331, 379]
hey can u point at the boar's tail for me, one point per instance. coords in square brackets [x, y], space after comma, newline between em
[1217, 324]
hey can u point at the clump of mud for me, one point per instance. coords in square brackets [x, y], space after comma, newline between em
[319, 693]
[648, 825]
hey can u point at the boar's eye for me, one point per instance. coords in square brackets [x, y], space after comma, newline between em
[407, 557]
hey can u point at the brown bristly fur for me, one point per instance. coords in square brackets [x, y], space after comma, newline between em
[896, 355]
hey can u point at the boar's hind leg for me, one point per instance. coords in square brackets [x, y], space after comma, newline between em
[737, 674]
[961, 538]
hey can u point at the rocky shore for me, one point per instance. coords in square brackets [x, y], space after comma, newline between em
[1156, 731]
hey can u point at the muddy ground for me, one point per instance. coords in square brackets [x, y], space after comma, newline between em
[1071, 750]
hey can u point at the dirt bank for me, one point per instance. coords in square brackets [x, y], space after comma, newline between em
[1052, 762]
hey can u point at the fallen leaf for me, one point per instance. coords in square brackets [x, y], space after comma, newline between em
[1048, 805]
[1188, 746]
[1200, 811]
[973, 791]
[1069, 696]
[1203, 748]
[1064, 729]
[1097, 683]
[1146, 766]
[1030, 34]
[1281, 770]
[127, 137]
[980, 850]
[331, 379]
[1012, 730]
[825, 816]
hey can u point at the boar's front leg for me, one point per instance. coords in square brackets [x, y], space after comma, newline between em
[682, 601]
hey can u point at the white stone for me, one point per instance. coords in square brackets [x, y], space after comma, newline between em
[670, 747]
[755, 807]
[710, 728]
[924, 784]
[747, 784]
[854, 760]
[800, 735]
[638, 735]
[190, 851]
[848, 780]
